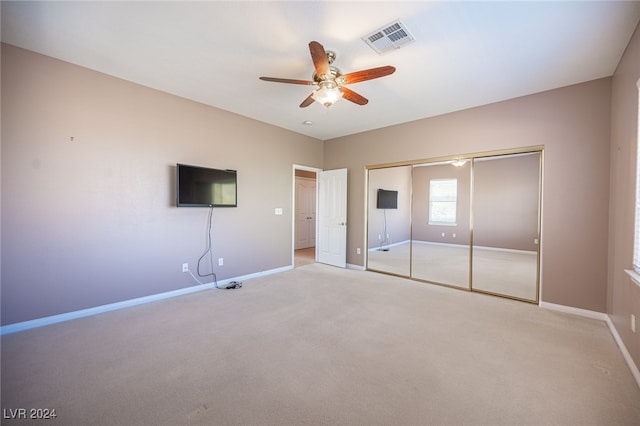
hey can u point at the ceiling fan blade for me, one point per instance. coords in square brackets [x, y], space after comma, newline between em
[352, 96]
[319, 57]
[306, 102]
[369, 74]
[288, 80]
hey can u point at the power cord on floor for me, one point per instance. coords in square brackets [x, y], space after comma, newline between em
[233, 285]
[230, 286]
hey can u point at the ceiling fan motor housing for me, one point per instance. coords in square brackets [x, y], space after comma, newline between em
[333, 75]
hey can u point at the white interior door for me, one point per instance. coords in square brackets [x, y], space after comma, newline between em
[305, 229]
[332, 217]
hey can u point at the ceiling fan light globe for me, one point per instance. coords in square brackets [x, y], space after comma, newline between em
[327, 95]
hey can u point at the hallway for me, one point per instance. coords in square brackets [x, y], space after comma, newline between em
[304, 256]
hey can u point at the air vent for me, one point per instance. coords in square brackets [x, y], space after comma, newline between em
[390, 37]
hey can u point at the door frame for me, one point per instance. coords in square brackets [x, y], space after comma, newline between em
[293, 209]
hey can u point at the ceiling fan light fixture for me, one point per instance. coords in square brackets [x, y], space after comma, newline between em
[330, 81]
[327, 94]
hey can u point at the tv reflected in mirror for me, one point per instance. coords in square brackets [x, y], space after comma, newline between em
[387, 199]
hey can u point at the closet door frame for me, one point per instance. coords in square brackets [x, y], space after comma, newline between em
[470, 157]
[519, 253]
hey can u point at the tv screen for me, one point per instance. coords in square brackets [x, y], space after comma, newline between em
[205, 187]
[387, 199]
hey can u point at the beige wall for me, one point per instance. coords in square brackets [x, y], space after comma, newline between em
[624, 295]
[91, 221]
[572, 123]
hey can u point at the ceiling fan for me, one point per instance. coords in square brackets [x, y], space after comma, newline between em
[331, 81]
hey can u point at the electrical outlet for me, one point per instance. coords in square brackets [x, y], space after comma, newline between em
[220, 261]
[379, 236]
[443, 234]
[633, 323]
[185, 267]
[453, 235]
[358, 250]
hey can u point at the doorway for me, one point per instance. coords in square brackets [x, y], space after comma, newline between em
[327, 224]
[304, 215]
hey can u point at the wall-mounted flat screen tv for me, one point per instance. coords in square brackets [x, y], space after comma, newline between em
[205, 187]
[387, 199]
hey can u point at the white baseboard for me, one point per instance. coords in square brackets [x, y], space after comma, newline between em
[356, 267]
[435, 243]
[575, 311]
[625, 353]
[387, 246]
[54, 319]
[603, 317]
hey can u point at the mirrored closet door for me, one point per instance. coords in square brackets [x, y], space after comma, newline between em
[440, 243]
[506, 192]
[470, 222]
[389, 220]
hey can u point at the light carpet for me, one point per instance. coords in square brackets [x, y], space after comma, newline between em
[319, 345]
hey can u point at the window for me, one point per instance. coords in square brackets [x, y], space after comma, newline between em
[443, 200]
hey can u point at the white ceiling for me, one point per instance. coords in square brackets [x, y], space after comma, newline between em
[466, 54]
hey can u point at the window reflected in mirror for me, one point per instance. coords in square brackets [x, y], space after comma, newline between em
[440, 219]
